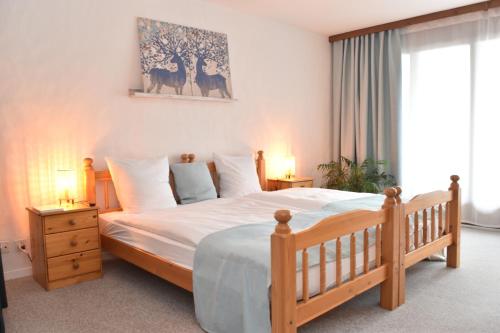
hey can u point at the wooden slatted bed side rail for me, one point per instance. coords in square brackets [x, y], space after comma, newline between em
[436, 225]
[287, 313]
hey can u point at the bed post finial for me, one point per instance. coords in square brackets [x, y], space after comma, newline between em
[283, 216]
[89, 178]
[261, 170]
[390, 197]
[453, 251]
[390, 291]
[398, 194]
[87, 162]
[283, 272]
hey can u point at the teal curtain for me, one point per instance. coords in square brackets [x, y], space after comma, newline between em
[367, 97]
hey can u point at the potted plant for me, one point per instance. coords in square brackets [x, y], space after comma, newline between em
[347, 175]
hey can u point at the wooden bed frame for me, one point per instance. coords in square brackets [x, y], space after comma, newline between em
[445, 233]
[393, 254]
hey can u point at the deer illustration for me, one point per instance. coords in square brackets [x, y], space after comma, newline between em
[160, 76]
[209, 82]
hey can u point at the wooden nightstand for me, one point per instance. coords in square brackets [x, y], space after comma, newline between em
[65, 246]
[280, 184]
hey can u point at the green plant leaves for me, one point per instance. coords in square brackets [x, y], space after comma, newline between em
[347, 175]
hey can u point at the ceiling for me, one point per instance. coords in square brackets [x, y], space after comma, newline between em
[328, 17]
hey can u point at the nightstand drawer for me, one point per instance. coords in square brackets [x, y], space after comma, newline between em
[74, 264]
[71, 242]
[306, 183]
[68, 222]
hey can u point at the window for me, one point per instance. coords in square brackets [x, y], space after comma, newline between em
[450, 123]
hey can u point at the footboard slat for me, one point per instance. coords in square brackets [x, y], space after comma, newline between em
[415, 230]
[353, 257]
[433, 224]
[407, 234]
[305, 275]
[338, 262]
[378, 246]
[440, 220]
[447, 219]
[322, 268]
[365, 251]
[424, 226]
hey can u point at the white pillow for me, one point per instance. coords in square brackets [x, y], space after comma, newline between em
[237, 174]
[141, 185]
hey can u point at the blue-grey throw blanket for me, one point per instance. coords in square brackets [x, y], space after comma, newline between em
[232, 275]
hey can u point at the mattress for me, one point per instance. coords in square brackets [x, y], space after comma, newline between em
[173, 233]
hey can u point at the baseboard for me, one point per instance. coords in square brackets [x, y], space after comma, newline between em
[17, 273]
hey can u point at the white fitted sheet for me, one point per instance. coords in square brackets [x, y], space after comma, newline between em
[174, 233]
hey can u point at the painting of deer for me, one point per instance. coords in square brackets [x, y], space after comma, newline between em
[181, 60]
[209, 82]
[175, 79]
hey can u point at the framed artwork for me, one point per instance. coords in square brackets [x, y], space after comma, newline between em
[181, 60]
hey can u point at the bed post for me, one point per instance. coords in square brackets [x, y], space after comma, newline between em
[389, 291]
[453, 251]
[261, 170]
[283, 270]
[402, 249]
[89, 175]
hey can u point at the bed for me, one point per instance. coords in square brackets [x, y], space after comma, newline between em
[404, 234]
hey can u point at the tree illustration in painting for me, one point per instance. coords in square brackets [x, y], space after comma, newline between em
[172, 55]
[212, 61]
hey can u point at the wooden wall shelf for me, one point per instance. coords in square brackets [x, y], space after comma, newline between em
[137, 93]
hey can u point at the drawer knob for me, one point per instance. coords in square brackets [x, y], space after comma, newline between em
[73, 242]
[76, 264]
[72, 222]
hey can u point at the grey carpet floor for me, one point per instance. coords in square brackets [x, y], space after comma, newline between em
[128, 299]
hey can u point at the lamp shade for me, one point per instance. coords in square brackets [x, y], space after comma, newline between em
[290, 166]
[65, 185]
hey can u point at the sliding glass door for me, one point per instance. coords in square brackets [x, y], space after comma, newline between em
[450, 120]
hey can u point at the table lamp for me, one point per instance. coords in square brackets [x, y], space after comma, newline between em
[65, 187]
[290, 167]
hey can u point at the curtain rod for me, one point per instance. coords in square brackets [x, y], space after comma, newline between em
[481, 6]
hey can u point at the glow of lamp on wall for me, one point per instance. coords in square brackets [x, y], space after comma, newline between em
[66, 186]
[289, 166]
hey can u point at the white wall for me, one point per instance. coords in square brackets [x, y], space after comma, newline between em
[66, 67]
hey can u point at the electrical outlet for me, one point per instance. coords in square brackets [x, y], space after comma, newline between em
[21, 244]
[4, 246]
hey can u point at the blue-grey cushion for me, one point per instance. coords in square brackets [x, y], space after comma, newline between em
[193, 182]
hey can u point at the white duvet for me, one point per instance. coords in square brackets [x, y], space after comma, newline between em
[174, 233]
[188, 224]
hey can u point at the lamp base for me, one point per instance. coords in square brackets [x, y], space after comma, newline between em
[66, 203]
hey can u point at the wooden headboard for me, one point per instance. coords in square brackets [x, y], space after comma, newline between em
[93, 177]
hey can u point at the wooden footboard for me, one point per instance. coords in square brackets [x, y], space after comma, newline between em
[287, 312]
[430, 222]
